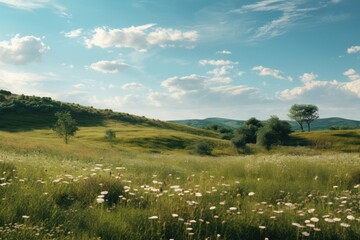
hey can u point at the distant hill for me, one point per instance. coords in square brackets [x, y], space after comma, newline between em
[319, 124]
[229, 123]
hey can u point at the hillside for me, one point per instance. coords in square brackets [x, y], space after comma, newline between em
[28, 120]
[319, 124]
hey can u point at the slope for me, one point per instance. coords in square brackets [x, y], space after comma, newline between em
[27, 121]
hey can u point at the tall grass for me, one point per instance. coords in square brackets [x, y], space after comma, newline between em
[117, 195]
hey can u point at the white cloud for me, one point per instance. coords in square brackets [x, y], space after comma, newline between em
[324, 90]
[225, 52]
[74, 33]
[22, 81]
[22, 50]
[109, 66]
[79, 85]
[30, 5]
[263, 71]
[132, 86]
[195, 91]
[141, 37]
[336, 1]
[216, 62]
[352, 75]
[233, 90]
[308, 77]
[353, 49]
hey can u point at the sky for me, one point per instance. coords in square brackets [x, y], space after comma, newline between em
[185, 59]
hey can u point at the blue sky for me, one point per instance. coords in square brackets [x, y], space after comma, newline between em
[170, 59]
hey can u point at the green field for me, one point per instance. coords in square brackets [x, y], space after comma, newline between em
[142, 187]
[148, 184]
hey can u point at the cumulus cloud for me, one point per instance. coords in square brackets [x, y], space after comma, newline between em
[74, 33]
[324, 90]
[196, 90]
[352, 75]
[22, 50]
[141, 37]
[132, 86]
[353, 49]
[263, 71]
[109, 66]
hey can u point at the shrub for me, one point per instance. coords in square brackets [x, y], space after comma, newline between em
[110, 135]
[266, 137]
[202, 148]
[239, 142]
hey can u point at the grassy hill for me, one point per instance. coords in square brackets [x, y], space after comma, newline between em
[27, 119]
[319, 124]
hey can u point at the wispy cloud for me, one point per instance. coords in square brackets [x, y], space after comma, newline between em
[264, 71]
[30, 5]
[290, 13]
[74, 33]
[109, 66]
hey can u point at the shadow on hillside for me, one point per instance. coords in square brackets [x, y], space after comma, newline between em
[298, 141]
[159, 143]
[352, 135]
[12, 122]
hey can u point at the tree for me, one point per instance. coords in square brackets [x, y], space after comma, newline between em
[281, 129]
[304, 113]
[273, 132]
[249, 129]
[110, 135]
[65, 125]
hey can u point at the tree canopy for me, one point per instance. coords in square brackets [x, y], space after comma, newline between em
[304, 113]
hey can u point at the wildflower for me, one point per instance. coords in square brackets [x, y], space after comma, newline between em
[251, 194]
[345, 225]
[232, 208]
[314, 219]
[350, 217]
[198, 194]
[153, 217]
[104, 192]
[262, 227]
[305, 234]
[212, 208]
[25, 217]
[174, 215]
[100, 200]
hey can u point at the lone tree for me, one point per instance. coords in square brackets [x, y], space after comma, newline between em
[304, 113]
[65, 125]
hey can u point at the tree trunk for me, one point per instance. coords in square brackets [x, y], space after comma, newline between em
[301, 126]
[308, 123]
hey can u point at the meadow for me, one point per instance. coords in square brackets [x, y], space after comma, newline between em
[93, 189]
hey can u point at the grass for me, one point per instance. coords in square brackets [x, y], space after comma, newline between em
[146, 185]
[50, 190]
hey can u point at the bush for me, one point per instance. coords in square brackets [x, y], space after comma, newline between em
[202, 148]
[239, 142]
[266, 137]
[110, 135]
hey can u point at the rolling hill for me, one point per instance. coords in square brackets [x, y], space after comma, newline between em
[28, 120]
[319, 124]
